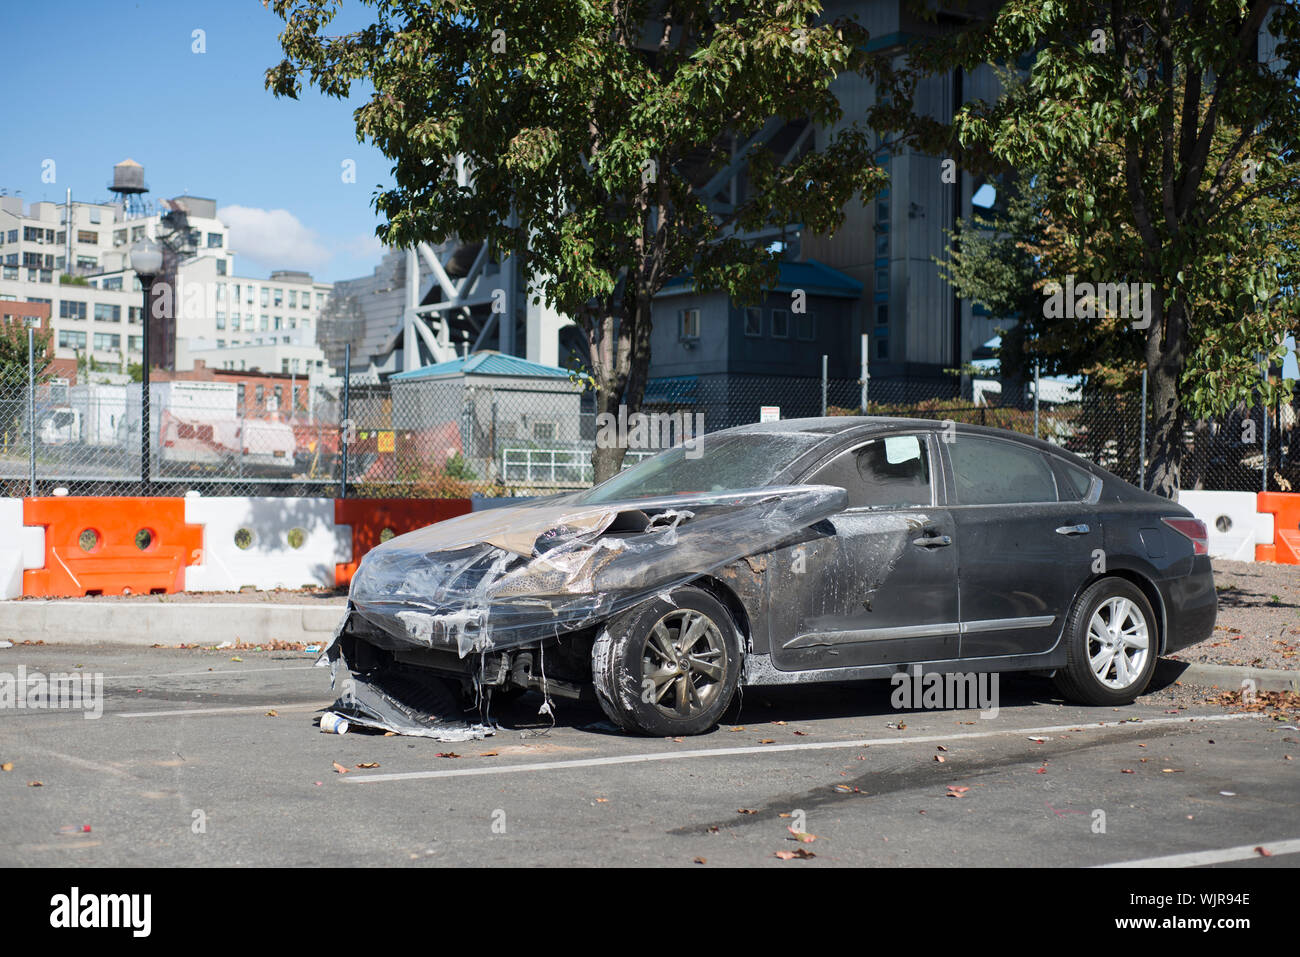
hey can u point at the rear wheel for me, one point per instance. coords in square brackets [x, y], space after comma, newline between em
[1111, 645]
[668, 667]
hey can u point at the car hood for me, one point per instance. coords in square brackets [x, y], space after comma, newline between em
[510, 576]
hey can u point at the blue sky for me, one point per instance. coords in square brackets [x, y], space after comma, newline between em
[91, 82]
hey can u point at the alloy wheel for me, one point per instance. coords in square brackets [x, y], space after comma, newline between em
[1118, 642]
[683, 661]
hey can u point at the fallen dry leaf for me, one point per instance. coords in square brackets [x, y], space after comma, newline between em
[1127, 771]
[487, 754]
[802, 836]
[745, 810]
[940, 747]
[369, 764]
[701, 860]
[446, 754]
[800, 854]
[36, 784]
[739, 728]
[273, 714]
[340, 769]
[940, 758]
[767, 741]
[7, 766]
[1263, 852]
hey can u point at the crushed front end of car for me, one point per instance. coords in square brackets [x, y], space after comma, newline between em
[441, 619]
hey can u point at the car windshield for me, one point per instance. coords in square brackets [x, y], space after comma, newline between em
[717, 464]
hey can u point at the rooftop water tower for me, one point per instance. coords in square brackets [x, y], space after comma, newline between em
[128, 184]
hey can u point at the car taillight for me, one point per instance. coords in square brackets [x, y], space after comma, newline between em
[1194, 529]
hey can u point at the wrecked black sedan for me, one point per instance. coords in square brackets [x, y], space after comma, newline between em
[794, 552]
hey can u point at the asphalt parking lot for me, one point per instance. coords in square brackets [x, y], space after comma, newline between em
[188, 767]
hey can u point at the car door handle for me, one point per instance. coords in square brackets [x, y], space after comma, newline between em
[932, 541]
[1072, 530]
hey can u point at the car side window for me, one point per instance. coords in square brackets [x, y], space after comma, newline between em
[1077, 481]
[893, 471]
[990, 472]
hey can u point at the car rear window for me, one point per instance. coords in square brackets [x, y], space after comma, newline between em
[992, 472]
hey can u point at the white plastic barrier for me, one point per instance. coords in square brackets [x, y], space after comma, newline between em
[1234, 524]
[266, 543]
[20, 547]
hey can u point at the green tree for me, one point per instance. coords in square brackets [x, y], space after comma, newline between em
[590, 129]
[13, 353]
[1168, 151]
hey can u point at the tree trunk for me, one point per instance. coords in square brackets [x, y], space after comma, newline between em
[620, 352]
[1164, 357]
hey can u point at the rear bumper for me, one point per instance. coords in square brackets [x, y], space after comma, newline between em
[1191, 606]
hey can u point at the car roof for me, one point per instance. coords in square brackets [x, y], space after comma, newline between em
[834, 429]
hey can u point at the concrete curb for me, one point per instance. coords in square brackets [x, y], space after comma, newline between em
[130, 623]
[1227, 677]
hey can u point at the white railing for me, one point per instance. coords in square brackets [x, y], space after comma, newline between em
[554, 467]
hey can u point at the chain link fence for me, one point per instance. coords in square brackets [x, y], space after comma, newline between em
[455, 437]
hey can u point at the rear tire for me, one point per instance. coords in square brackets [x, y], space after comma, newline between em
[1111, 645]
[668, 667]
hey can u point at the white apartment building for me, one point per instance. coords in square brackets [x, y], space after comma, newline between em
[83, 272]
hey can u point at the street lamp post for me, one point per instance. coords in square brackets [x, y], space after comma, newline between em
[146, 261]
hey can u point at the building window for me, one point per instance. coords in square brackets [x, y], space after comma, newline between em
[266, 297]
[113, 282]
[137, 234]
[221, 267]
[87, 262]
[882, 314]
[221, 319]
[780, 324]
[279, 297]
[265, 324]
[71, 340]
[882, 280]
[279, 321]
[293, 298]
[70, 309]
[88, 236]
[805, 325]
[882, 348]
[689, 323]
[107, 313]
[13, 235]
[135, 343]
[133, 314]
[119, 237]
[107, 340]
[753, 321]
[258, 394]
[544, 431]
[882, 211]
[11, 272]
[215, 240]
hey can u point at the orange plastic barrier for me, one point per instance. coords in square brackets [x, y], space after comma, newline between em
[1285, 507]
[111, 546]
[370, 518]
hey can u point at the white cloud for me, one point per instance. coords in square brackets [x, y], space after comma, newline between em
[272, 239]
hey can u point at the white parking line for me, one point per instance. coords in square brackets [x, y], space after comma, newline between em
[299, 706]
[1200, 858]
[762, 749]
